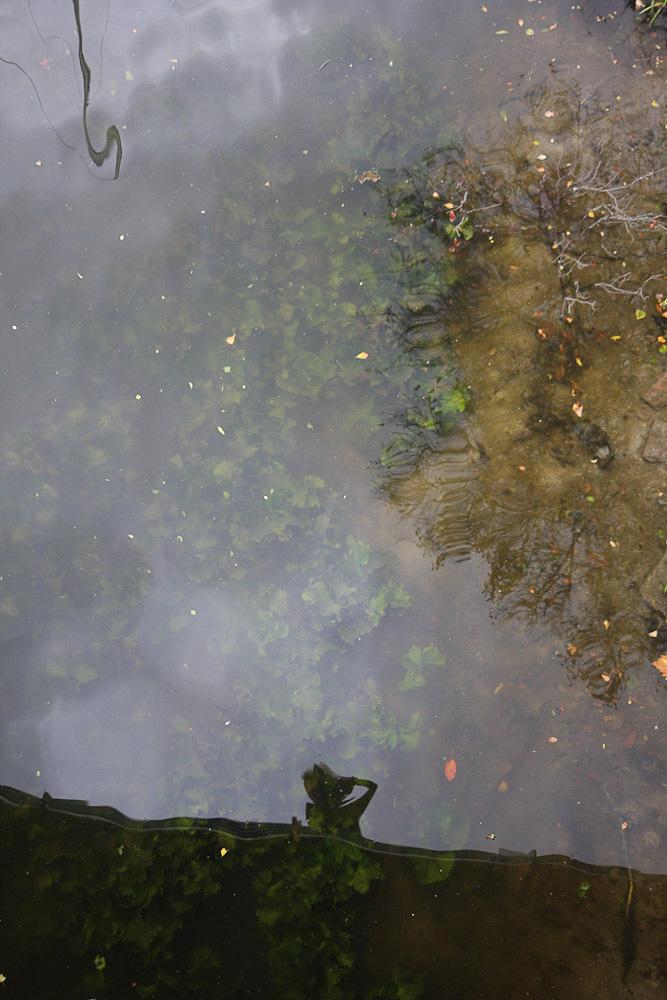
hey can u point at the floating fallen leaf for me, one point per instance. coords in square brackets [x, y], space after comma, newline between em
[549, 114]
[450, 769]
[552, 27]
[521, 468]
[520, 22]
[449, 204]
[490, 836]
[369, 175]
[502, 786]
[223, 851]
[571, 648]
[231, 338]
[553, 739]
[579, 362]
[606, 624]
[541, 156]
[501, 32]
[606, 678]
[529, 32]
[654, 103]
[661, 665]
[578, 409]
[624, 824]
[220, 430]
[362, 355]
[640, 314]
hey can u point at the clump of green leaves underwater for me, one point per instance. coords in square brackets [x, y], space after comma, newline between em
[240, 382]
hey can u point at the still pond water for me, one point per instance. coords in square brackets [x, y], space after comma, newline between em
[289, 475]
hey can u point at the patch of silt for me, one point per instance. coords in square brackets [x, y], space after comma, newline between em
[558, 324]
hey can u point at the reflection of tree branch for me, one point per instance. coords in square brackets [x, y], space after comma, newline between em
[113, 135]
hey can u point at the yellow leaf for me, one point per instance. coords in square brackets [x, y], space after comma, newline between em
[661, 665]
[230, 340]
[220, 430]
[223, 851]
[640, 314]
[362, 355]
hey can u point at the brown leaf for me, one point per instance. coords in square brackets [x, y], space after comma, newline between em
[368, 175]
[661, 665]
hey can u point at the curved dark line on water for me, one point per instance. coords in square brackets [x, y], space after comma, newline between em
[113, 135]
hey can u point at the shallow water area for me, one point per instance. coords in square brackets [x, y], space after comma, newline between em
[289, 475]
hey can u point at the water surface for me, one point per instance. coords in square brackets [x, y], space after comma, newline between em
[259, 504]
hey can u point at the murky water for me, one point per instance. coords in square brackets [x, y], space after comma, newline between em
[301, 465]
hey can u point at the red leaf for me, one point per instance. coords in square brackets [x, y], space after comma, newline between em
[450, 769]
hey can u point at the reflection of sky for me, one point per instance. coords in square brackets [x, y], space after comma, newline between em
[127, 50]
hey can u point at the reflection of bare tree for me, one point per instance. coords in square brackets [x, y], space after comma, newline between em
[545, 477]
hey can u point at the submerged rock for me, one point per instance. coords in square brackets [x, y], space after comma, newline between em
[653, 587]
[655, 449]
[596, 443]
[656, 396]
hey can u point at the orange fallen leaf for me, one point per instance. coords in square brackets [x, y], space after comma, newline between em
[502, 786]
[553, 739]
[661, 665]
[450, 769]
